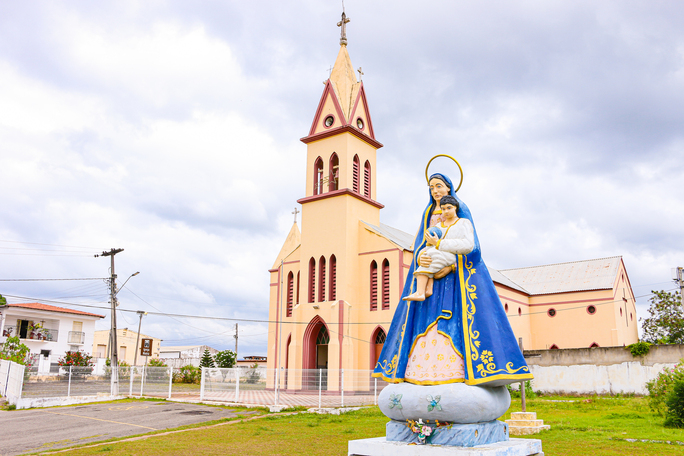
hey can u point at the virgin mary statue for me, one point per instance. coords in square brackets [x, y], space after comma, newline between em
[459, 333]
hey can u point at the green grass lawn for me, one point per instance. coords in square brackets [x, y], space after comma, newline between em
[585, 426]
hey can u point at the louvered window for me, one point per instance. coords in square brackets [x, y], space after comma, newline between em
[374, 286]
[321, 279]
[333, 278]
[356, 176]
[367, 179]
[297, 295]
[290, 293]
[385, 285]
[312, 280]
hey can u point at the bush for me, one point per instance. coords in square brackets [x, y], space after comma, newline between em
[253, 375]
[156, 362]
[660, 387]
[225, 359]
[640, 348]
[14, 350]
[675, 406]
[76, 358]
[124, 370]
[188, 374]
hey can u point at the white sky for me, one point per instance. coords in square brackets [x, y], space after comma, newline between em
[171, 129]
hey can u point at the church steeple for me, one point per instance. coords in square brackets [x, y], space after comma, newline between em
[343, 79]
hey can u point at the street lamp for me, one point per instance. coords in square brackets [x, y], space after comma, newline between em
[137, 341]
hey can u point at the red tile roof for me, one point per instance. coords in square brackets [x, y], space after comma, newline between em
[49, 308]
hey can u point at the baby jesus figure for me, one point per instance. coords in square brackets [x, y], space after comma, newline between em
[456, 238]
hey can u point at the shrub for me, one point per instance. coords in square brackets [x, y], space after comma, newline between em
[660, 387]
[640, 348]
[156, 362]
[675, 405]
[14, 350]
[76, 358]
[225, 359]
[188, 374]
[124, 370]
[253, 375]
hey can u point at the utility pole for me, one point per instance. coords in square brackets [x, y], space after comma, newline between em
[112, 332]
[236, 340]
[678, 276]
[137, 341]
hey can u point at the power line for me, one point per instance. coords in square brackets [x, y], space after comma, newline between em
[51, 245]
[45, 280]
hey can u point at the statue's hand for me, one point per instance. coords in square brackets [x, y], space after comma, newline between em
[442, 272]
[425, 260]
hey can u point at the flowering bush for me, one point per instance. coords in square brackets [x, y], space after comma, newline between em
[660, 387]
[675, 406]
[76, 358]
[14, 350]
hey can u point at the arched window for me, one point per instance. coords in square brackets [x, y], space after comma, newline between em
[367, 179]
[297, 298]
[385, 285]
[519, 311]
[312, 280]
[333, 178]
[374, 285]
[321, 279]
[506, 307]
[377, 341]
[553, 347]
[333, 278]
[290, 294]
[318, 176]
[594, 345]
[356, 174]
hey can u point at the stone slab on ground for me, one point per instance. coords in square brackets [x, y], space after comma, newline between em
[459, 435]
[525, 423]
[380, 446]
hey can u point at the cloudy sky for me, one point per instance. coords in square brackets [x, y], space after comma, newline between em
[171, 129]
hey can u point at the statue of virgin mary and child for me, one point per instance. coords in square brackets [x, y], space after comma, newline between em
[449, 336]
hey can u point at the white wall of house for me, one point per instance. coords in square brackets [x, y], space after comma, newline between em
[62, 331]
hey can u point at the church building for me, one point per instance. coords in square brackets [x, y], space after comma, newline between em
[335, 284]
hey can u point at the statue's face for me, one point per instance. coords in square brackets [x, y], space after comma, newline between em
[448, 211]
[438, 188]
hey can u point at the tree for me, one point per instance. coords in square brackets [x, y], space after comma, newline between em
[207, 360]
[665, 323]
[14, 350]
[225, 359]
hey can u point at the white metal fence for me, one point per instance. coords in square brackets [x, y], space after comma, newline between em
[254, 386]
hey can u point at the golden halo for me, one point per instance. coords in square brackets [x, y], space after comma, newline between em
[427, 177]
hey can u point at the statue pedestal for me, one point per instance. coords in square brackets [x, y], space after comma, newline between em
[460, 435]
[380, 446]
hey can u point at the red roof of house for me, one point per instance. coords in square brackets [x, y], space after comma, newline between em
[49, 308]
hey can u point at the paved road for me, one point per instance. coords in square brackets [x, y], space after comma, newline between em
[24, 431]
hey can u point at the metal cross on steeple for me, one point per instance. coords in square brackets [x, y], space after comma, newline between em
[295, 212]
[343, 31]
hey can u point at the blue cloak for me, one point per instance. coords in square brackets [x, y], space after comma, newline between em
[466, 309]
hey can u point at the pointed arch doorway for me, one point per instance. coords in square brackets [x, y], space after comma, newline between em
[316, 341]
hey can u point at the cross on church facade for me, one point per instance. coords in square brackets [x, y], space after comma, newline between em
[295, 212]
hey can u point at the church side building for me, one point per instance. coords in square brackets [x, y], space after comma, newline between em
[335, 284]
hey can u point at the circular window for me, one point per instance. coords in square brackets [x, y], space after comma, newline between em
[359, 123]
[329, 121]
[506, 307]
[551, 312]
[591, 310]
